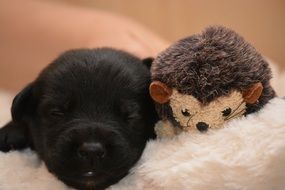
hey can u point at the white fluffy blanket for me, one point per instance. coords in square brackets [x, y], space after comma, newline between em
[248, 154]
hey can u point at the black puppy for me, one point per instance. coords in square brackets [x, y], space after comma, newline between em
[88, 116]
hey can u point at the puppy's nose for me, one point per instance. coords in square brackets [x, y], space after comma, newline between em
[202, 127]
[92, 151]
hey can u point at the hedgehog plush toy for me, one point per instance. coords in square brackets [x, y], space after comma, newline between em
[206, 80]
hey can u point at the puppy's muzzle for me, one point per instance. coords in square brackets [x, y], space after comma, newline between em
[92, 151]
[91, 140]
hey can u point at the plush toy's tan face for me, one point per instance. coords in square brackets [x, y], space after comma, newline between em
[191, 114]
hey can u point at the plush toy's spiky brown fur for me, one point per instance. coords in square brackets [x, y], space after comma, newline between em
[210, 65]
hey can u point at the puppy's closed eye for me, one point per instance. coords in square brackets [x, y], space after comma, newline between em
[130, 111]
[51, 112]
[133, 116]
[56, 112]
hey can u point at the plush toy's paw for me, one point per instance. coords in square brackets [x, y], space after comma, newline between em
[13, 137]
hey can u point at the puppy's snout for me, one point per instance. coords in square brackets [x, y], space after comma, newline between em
[202, 126]
[92, 151]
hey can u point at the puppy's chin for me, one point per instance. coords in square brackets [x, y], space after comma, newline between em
[94, 181]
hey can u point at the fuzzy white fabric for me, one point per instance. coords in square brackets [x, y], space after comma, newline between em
[248, 154]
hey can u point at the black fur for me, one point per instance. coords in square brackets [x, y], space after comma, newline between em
[85, 96]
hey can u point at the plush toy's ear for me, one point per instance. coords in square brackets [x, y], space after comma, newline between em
[148, 61]
[160, 92]
[252, 94]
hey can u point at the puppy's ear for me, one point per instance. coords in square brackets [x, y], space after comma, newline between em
[148, 62]
[15, 135]
[22, 104]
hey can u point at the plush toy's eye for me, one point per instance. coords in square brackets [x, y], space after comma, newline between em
[185, 112]
[227, 112]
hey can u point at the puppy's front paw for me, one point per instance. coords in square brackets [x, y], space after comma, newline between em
[12, 137]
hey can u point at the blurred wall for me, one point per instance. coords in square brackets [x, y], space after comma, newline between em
[262, 22]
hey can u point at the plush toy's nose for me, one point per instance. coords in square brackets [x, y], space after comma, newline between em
[202, 127]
